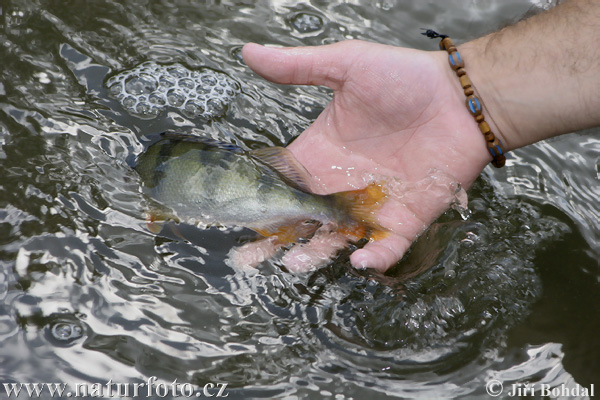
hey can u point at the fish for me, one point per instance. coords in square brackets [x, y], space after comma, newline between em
[197, 180]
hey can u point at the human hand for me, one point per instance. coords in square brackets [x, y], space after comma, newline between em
[395, 112]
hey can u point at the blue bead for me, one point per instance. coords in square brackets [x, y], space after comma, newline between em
[474, 106]
[454, 62]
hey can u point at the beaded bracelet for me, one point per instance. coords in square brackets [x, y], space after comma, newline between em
[473, 103]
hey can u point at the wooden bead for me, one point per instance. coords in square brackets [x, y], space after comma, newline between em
[497, 152]
[484, 127]
[494, 143]
[474, 105]
[499, 161]
[492, 150]
[465, 82]
[446, 43]
[455, 61]
[490, 137]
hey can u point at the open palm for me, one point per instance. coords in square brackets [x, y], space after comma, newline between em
[396, 112]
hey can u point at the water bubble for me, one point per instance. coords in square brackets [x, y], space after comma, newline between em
[187, 83]
[150, 87]
[129, 102]
[64, 333]
[166, 81]
[467, 242]
[209, 80]
[214, 107]
[450, 274]
[143, 108]
[142, 84]
[236, 53]
[202, 90]
[115, 90]
[384, 5]
[157, 99]
[306, 22]
[175, 97]
[192, 109]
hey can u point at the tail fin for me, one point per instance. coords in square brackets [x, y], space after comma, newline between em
[362, 206]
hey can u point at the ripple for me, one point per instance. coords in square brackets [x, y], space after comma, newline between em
[72, 233]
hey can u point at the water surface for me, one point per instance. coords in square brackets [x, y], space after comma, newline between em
[89, 294]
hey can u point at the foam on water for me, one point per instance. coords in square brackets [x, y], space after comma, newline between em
[150, 88]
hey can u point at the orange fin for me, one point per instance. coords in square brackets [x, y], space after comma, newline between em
[288, 234]
[155, 226]
[177, 231]
[155, 220]
[353, 231]
[283, 161]
[362, 206]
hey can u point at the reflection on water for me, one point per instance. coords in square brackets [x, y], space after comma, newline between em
[88, 294]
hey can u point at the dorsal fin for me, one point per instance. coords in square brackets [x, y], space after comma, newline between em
[283, 161]
[186, 137]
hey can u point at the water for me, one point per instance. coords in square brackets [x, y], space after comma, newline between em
[88, 294]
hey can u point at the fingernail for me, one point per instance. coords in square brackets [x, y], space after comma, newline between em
[362, 265]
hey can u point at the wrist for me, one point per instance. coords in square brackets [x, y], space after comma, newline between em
[475, 106]
[536, 82]
[484, 85]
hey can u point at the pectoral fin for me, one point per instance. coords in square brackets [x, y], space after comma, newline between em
[288, 234]
[156, 219]
[155, 226]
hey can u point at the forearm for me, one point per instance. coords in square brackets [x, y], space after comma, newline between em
[541, 77]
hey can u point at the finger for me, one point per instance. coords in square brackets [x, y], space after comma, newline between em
[319, 65]
[314, 254]
[250, 255]
[381, 254]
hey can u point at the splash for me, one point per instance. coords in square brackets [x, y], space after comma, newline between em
[150, 88]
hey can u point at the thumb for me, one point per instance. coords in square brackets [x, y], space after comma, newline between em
[320, 65]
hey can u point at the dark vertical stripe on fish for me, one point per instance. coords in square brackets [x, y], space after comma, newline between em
[207, 158]
[164, 152]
